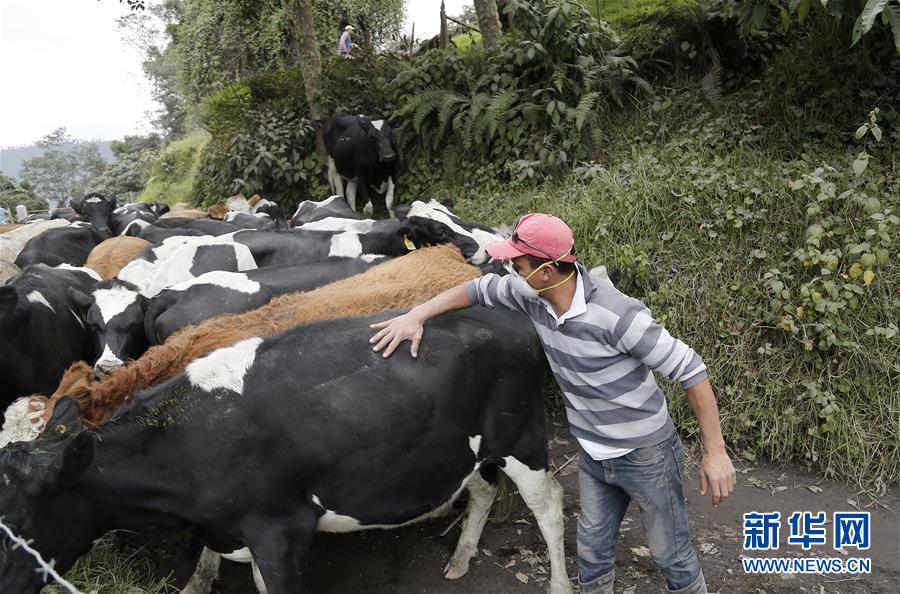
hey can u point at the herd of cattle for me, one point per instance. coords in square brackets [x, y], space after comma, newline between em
[179, 371]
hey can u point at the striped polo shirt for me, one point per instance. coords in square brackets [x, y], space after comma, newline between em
[603, 359]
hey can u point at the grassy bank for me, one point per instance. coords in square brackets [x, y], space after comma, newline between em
[767, 253]
[175, 170]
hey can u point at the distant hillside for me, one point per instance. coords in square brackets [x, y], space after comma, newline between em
[11, 158]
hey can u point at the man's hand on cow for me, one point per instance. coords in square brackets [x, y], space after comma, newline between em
[394, 331]
[717, 474]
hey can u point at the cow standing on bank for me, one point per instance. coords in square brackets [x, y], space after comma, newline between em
[360, 150]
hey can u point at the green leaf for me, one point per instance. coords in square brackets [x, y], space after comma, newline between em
[785, 18]
[867, 18]
[802, 10]
[861, 131]
[859, 165]
[893, 14]
[876, 132]
[759, 15]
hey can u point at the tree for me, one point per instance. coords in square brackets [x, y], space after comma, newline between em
[127, 175]
[13, 193]
[311, 61]
[489, 23]
[152, 32]
[65, 170]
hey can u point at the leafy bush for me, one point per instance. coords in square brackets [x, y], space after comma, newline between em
[530, 107]
[261, 142]
[127, 175]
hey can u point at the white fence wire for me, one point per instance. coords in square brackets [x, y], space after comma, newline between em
[44, 568]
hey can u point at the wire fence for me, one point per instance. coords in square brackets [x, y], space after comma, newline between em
[43, 567]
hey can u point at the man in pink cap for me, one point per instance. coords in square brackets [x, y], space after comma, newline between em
[603, 348]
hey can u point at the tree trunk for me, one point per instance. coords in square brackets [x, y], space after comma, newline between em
[309, 61]
[444, 37]
[489, 23]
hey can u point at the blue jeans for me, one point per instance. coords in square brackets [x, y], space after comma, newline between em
[652, 477]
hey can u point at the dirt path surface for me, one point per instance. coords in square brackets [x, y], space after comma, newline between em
[512, 556]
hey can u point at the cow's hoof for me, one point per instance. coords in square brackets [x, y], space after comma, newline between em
[561, 588]
[455, 569]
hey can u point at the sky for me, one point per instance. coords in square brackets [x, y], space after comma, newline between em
[63, 63]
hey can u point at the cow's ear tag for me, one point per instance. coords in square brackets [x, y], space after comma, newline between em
[408, 243]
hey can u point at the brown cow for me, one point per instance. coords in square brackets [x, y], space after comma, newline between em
[401, 282]
[111, 255]
[184, 211]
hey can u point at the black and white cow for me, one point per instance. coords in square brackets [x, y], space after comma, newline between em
[216, 293]
[66, 214]
[243, 220]
[478, 236]
[179, 259]
[114, 312]
[41, 328]
[274, 212]
[336, 207]
[125, 323]
[175, 226]
[95, 209]
[64, 245]
[340, 439]
[360, 150]
[130, 219]
[342, 238]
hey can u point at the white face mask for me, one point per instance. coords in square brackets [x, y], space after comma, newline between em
[519, 285]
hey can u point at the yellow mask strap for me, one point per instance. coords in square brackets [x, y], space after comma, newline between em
[571, 274]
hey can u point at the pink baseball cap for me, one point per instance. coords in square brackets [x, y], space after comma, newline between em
[540, 235]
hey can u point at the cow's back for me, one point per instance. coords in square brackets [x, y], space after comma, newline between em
[111, 255]
[68, 245]
[479, 374]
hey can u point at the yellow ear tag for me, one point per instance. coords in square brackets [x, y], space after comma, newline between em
[408, 243]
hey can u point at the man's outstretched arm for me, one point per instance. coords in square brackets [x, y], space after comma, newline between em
[411, 325]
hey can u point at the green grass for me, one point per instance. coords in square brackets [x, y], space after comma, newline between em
[623, 12]
[694, 203]
[106, 570]
[174, 171]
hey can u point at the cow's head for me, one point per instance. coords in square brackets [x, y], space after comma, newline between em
[96, 208]
[424, 232]
[39, 500]
[115, 315]
[159, 208]
[471, 238]
[378, 133]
